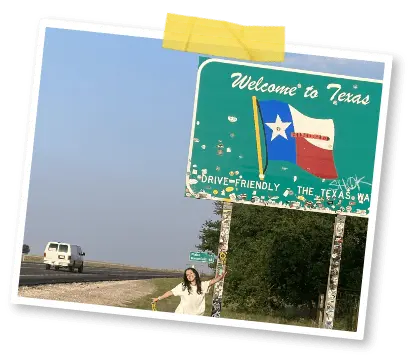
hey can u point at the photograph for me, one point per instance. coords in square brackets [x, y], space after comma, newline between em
[190, 187]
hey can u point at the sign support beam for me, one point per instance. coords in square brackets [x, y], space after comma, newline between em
[222, 257]
[333, 278]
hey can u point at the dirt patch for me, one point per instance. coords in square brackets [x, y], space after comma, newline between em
[109, 293]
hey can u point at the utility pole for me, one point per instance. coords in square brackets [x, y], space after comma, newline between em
[333, 278]
[222, 257]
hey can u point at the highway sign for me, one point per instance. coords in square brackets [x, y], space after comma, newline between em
[286, 138]
[202, 257]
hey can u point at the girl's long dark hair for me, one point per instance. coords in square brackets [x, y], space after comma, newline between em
[187, 284]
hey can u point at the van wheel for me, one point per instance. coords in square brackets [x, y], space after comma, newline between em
[56, 268]
[48, 266]
[80, 269]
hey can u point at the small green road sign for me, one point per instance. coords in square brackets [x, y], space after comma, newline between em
[285, 138]
[202, 257]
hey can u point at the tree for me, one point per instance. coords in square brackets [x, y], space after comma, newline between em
[299, 259]
[210, 233]
[26, 249]
[281, 256]
[247, 263]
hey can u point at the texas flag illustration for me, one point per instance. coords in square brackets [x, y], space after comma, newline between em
[294, 137]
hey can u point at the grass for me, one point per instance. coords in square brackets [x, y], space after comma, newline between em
[170, 304]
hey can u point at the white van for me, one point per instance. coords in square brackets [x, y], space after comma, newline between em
[58, 254]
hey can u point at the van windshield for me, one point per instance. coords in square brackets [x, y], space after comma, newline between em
[52, 247]
[63, 248]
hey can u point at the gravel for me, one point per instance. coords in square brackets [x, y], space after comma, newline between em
[109, 293]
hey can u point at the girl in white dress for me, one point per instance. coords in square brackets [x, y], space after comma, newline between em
[192, 292]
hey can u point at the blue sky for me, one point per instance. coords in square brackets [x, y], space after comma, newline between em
[111, 145]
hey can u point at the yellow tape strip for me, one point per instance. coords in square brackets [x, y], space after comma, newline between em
[221, 38]
[258, 145]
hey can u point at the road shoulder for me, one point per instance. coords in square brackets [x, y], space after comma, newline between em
[108, 293]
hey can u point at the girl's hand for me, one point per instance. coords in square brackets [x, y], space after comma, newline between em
[154, 300]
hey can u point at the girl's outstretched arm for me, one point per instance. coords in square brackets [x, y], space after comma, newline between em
[218, 278]
[165, 295]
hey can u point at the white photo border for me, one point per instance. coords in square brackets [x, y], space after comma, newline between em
[158, 34]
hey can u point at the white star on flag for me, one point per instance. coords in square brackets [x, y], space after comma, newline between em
[278, 128]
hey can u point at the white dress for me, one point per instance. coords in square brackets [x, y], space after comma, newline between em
[193, 303]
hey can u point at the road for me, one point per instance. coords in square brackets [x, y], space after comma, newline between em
[36, 274]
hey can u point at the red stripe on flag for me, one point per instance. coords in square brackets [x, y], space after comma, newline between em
[315, 160]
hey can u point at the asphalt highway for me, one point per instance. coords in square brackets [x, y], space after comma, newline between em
[37, 274]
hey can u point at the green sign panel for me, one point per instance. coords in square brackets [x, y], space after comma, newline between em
[283, 137]
[202, 257]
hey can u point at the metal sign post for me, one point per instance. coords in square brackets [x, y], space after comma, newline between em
[333, 277]
[222, 256]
